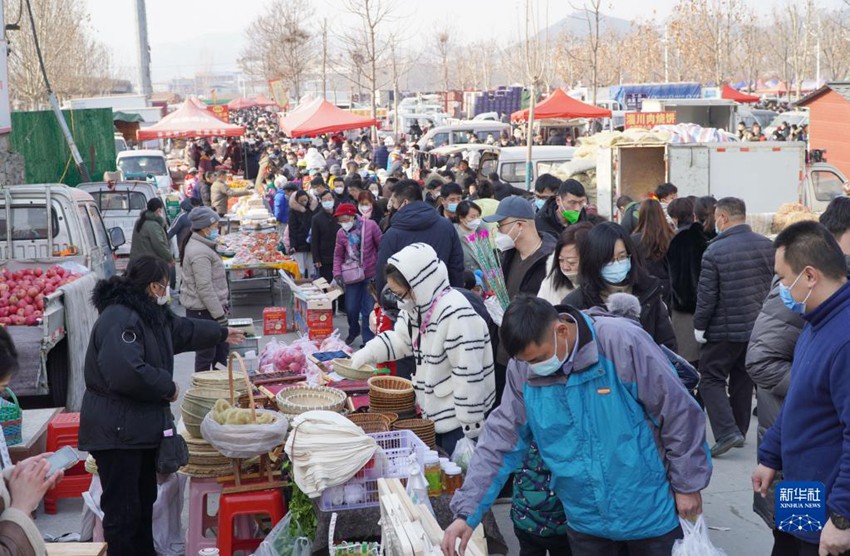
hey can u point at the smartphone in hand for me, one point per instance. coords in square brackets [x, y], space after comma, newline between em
[62, 459]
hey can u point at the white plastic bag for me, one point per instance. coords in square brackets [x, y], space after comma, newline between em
[462, 455]
[696, 541]
[495, 309]
[245, 441]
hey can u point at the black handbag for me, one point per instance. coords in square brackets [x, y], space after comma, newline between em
[173, 453]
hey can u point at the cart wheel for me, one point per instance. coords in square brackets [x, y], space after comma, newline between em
[58, 364]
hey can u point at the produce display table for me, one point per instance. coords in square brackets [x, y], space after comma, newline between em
[76, 548]
[257, 278]
[363, 524]
[34, 433]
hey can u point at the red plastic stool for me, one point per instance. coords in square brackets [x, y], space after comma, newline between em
[63, 430]
[264, 502]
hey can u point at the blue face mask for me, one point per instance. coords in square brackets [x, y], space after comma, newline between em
[327, 205]
[798, 307]
[616, 271]
[213, 235]
[551, 365]
[452, 207]
[539, 203]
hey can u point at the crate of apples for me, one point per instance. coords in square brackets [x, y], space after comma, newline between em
[22, 293]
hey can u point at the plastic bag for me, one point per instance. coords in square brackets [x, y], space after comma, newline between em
[462, 455]
[495, 309]
[281, 541]
[695, 541]
[245, 441]
[335, 343]
[279, 356]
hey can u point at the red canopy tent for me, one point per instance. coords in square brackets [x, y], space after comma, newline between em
[189, 121]
[561, 105]
[729, 93]
[320, 116]
[263, 101]
[240, 103]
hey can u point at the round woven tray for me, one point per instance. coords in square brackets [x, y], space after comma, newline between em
[206, 471]
[390, 385]
[299, 399]
[342, 367]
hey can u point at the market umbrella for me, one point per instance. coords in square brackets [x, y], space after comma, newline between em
[320, 116]
[561, 105]
[189, 121]
[729, 93]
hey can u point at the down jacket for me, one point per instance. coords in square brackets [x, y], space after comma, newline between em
[204, 278]
[129, 366]
[769, 357]
[614, 425]
[684, 257]
[151, 239]
[737, 269]
[454, 380]
[370, 239]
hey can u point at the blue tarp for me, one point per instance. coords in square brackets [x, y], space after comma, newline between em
[631, 96]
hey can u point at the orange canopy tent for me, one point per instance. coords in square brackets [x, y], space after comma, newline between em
[561, 105]
[320, 116]
[189, 121]
[729, 93]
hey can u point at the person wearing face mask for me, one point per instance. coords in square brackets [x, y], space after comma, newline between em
[737, 269]
[611, 263]
[448, 340]
[562, 266]
[205, 293]
[298, 230]
[368, 208]
[354, 267]
[563, 209]
[150, 237]
[648, 460]
[451, 195]
[808, 440]
[524, 252]
[468, 222]
[129, 377]
[771, 348]
[546, 186]
[323, 230]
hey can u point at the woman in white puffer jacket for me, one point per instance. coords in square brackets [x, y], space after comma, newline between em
[454, 380]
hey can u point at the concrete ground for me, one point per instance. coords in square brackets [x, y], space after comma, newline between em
[727, 502]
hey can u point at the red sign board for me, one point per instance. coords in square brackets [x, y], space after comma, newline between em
[648, 120]
[220, 111]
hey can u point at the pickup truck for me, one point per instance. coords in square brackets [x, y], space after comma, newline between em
[765, 175]
[120, 204]
[73, 235]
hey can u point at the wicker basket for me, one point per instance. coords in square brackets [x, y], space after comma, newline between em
[11, 419]
[216, 379]
[299, 399]
[391, 386]
[371, 422]
[342, 367]
[423, 428]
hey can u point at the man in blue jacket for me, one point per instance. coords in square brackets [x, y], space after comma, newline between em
[415, 221]
[624, 440]
[281, 206]
[809, 440]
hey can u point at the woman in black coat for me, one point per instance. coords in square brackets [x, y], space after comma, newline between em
[611, 263]
[323, 240]
[129, 370]
[300, 219]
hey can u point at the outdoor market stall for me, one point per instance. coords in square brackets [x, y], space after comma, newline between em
[320, 116]
[729, 93]
[189, 120]
[559, 105]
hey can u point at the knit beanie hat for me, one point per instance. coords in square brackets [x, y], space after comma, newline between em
[202, 217]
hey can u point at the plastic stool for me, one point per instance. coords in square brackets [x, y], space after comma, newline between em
[264, 502]
[63, 430]
[200, 521]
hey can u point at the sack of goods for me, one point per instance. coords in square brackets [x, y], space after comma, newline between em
[237, 434]
[326, 450]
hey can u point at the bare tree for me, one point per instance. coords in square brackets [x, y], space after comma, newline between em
[325, 58]
[593, 16]
[370, 40]
[834, 42]
[76, 63]
[279, 46]
[443, 44]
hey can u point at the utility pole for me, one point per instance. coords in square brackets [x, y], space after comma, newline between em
[144, 84]
[325, 58]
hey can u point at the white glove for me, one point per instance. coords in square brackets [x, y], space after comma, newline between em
[495, 309]
[700, 336]
[473, 431]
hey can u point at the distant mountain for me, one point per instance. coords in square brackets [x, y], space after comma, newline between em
[576, 24]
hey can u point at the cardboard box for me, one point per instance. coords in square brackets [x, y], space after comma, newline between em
[274, 321]
[320, 323]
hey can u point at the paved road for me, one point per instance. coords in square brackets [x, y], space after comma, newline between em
[727, 501]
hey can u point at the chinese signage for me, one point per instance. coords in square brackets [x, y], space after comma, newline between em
[800, 506]
[649, 119]
[220, 111]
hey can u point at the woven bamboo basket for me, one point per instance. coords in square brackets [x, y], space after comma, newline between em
[299, 399]
[371, 422]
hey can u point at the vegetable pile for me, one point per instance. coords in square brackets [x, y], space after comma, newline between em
[22, 293]
[253, 248]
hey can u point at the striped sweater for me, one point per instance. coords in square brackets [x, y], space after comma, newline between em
[454, 380]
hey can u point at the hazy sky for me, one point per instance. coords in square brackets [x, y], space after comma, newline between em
[192, 35]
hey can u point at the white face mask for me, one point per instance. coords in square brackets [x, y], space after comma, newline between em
[504, 242]
[473, 224]
[407, 305]
[347, 226]
[163, 299]
[365, 209]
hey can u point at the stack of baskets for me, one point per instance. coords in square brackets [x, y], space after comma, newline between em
[392, 394]
[295, 400]
[423, 428]
[207, 387]
[374, 422]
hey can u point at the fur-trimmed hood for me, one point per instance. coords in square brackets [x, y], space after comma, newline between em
[116, 291]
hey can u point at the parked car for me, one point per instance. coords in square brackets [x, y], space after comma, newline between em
[148, 165]
[544, 158]
[460, 133]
